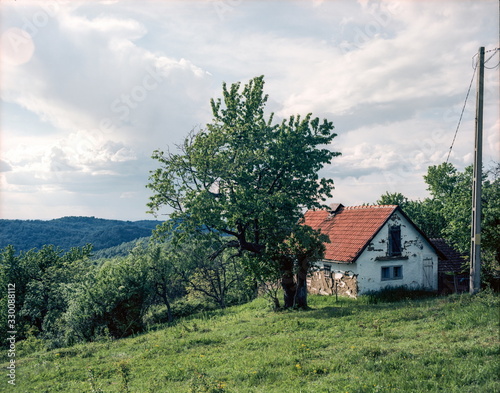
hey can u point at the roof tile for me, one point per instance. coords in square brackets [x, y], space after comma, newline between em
[349, 229]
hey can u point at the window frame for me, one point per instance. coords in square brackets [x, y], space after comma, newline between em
[394, 247]
[390, 273]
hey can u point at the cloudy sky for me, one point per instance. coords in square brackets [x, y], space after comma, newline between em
[89, 89]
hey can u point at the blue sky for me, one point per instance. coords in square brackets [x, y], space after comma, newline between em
[90, 89]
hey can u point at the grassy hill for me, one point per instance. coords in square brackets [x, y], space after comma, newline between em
[433, 345]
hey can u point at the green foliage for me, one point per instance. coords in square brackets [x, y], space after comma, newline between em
[447, 213]
[112, 301]
[124, 369]
[294, 256]
[429, 345]
[69, 232]
[122, 250]
[94, 388]
[43, 281]
[426, 214]
[66, 298]
[397, 294]
[210, 271]
[452, 191]
[244, 176]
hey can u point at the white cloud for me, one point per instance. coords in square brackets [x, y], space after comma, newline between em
[109, 82]
[4, 166]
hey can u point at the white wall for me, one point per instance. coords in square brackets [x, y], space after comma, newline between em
[369, 265]
[414, 247]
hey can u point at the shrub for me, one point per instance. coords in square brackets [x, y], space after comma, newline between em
[397, 294]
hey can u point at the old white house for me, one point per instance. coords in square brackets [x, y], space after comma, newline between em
[371, 248]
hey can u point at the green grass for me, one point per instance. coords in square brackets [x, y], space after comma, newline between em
[430, 345]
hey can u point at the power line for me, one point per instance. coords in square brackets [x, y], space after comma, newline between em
[489, 58]
[463, 109]
[474, 66]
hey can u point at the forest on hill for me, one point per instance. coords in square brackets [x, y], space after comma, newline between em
[68, 232]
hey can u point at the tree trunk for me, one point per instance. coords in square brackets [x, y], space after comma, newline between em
[276, 302]
[170, 317]
[290, 289]
[301, 294]
[164, 296]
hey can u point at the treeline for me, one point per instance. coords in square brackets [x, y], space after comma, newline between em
[69, 297]
[69, 232]
[120, 250]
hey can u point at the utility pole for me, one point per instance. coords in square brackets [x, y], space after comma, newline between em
[475, 251]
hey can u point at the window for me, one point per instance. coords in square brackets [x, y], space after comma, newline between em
[397, 272]
[394, 241]
[392, 273]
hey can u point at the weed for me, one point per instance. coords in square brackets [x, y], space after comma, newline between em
[397, 294]
[94, 388]
[124, 370]
[202, 383]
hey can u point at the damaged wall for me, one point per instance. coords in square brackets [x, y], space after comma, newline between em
[417, 255]
[377, 267]
[330, 283]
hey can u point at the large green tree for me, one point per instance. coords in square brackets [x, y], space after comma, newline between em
[245, 176]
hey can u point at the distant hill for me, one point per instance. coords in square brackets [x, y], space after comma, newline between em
[120, 250]
[70, 232]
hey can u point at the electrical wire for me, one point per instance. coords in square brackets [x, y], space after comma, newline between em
[474, 66]
[463, 109]
[489, 58]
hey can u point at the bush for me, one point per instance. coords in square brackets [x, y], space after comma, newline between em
[397, 294]
[183, 307]
[112, 302]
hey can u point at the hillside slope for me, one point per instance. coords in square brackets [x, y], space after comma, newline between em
[434, 345]
[70, 232]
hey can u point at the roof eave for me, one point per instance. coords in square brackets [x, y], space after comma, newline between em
[341, 262]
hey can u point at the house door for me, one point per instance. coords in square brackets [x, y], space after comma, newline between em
[428, 273]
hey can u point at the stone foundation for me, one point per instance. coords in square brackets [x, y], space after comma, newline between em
[331, 283]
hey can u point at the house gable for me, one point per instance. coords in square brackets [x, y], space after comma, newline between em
[378, 245]
[414, 266]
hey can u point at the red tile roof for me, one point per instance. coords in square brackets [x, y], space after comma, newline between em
[350, 229]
